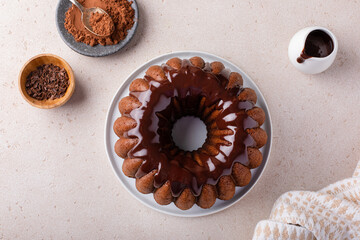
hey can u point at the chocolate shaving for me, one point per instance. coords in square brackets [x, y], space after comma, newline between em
[47, 82]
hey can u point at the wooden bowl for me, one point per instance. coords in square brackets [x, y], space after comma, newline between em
[32, 65]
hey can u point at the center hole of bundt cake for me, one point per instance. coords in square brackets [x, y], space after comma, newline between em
[189, 133]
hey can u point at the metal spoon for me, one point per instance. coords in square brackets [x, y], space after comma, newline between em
[86, 14]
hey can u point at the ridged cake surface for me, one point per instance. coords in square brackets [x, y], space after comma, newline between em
[190, 88]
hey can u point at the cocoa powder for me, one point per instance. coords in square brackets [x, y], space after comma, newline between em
[101, 24]
[120, 11]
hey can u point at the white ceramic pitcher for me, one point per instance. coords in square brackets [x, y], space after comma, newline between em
[311, 65]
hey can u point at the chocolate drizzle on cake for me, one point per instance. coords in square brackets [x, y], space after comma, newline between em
[190, 91]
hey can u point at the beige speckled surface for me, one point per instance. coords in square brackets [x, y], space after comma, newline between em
[55, 179]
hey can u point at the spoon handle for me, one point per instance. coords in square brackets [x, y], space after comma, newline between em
[77, 4]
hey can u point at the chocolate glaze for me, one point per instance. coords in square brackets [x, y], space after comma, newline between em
[181, 95]
[318, 44]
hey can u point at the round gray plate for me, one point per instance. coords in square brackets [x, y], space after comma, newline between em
[129, 183]
[82, 48]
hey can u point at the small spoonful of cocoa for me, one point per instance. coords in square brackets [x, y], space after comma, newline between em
[96, 20]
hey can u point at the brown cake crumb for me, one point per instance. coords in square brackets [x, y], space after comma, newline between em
[47, 82]
[120, 11]
[101, 24]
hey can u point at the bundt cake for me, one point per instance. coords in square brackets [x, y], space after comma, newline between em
[189, 88]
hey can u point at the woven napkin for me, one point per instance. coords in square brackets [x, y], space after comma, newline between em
[331, 213]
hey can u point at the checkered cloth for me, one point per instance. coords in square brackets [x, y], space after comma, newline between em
[331, 213]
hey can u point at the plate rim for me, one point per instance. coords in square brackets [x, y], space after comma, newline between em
[127, 39]
[109, 126]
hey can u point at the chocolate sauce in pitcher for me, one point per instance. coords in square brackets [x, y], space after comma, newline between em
[318, 44]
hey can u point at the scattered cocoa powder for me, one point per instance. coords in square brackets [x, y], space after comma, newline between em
[101, 24]
[47, 82]
[120, 12]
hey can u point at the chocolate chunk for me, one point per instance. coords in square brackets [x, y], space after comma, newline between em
[47, 82]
